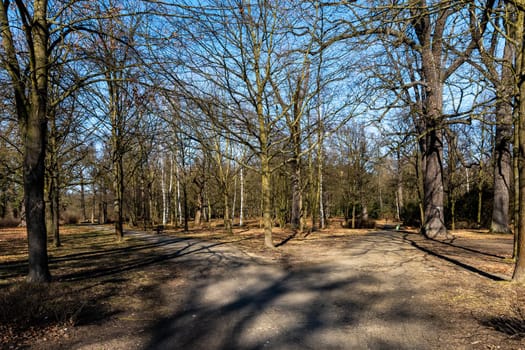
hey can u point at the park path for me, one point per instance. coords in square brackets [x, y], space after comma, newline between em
[371, 293]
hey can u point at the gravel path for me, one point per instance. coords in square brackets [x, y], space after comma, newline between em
[370, 294]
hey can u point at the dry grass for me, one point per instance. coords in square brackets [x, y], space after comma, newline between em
[97, 278]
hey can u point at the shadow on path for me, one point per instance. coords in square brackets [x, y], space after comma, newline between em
[411, 238]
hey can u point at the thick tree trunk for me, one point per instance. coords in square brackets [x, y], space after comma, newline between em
[34, 196]
[434, 225]
[502, 155]
[500, 209]
[35, 130]
[35, 148]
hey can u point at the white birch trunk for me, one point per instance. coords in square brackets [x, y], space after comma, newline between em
[241, 198]
[163, 189]
[179, 206]
[234, 198]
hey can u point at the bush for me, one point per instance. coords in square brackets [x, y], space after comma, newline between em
[359, 223]
[466, 210]
[411, 215]
[9, 222]
[71, 218]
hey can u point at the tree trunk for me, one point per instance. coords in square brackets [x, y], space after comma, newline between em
[434, 225]
[118, 185]
[93, 203]
[399, 193]
[164, 192]
[53, 189]
[430, 28]
[234, 199]
[241, 204]
[82, 198]
[198, 212]
[227, 219]
[453, 214]
[198, 206]
[320, 161]
[353, 215]
[266, 201]
[34, 132]
[54, 195]
[185, 205]
[503, 159]
[519, 270]
[179, 205]
[364, 213]
[480, 199]
[297, 197]
[34, 155]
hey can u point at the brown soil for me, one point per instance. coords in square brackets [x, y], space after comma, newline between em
[330, 289]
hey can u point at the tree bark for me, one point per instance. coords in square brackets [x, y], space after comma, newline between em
[241, 205]
[433, 194]
[297, 196]
[82, 198]
[519, 270]
[227, 219]
[118, 186]
[32, 116]
[35, 130]
[266, 201]
[53, 181]
[502, 155]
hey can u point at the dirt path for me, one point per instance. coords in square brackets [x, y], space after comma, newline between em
[377, 291]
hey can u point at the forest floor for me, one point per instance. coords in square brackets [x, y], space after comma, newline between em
[331, 289]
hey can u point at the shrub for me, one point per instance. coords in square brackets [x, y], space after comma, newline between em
[71, 219]
[9, 222]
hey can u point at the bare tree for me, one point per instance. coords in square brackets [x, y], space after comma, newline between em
[31, 98]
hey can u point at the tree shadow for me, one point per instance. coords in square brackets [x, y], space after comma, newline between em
[255, 306]
[514, 327]
[287, 239]
[104, 262]
[434, 250]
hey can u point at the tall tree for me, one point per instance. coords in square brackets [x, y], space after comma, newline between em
[31, 98]
[500, 72]
[435, 52]
[519, 271]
